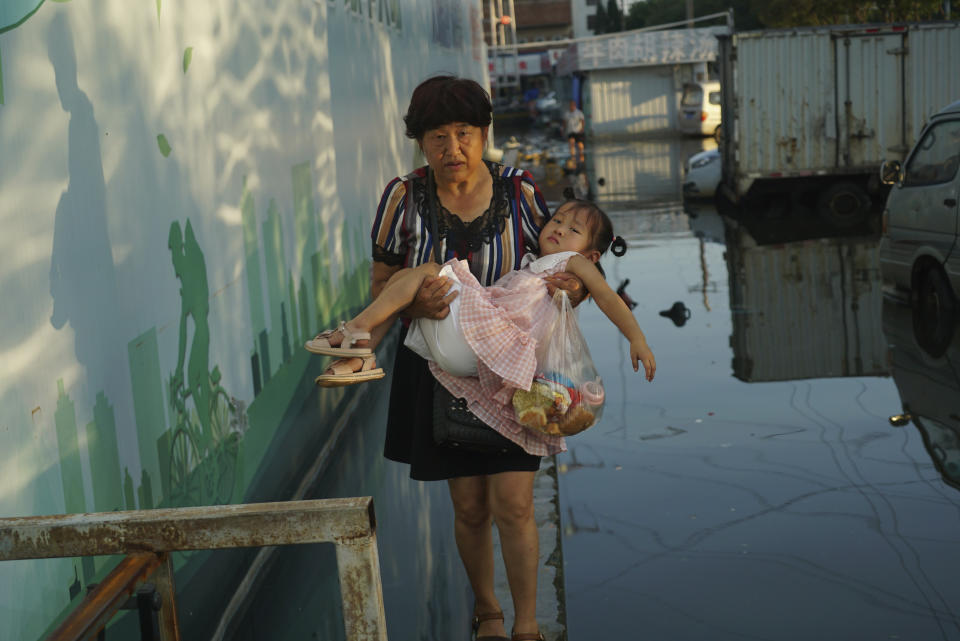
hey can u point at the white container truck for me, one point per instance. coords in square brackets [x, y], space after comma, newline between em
[810, 113]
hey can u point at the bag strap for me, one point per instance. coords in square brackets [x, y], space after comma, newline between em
[521, 245]
[432, 215]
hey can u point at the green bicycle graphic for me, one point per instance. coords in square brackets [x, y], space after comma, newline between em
[204, 471]
[205, 438]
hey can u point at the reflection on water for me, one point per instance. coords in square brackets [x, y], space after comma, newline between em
[755, 489]
[807, 309]
[659, 221]
[618, 174]
[929, 387]
[641, 171]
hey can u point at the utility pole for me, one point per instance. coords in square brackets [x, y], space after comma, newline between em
[503, 39]
[690, 14]
[494, 42]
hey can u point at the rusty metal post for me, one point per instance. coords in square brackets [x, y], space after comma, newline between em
[359, 567]
[214, 527]
[163, 580]
[103, 601]
[152, 534]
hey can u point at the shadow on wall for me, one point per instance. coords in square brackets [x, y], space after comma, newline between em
[357, 118]
[82, 276]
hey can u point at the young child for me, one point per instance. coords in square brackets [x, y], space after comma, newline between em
[498, 324]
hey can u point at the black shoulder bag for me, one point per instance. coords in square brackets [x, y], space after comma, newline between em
[454, 425]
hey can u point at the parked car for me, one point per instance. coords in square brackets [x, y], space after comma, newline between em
[548, 102]
[701, 174]
[700, 109]
[918, 250]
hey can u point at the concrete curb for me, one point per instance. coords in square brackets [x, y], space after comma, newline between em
[551, 597]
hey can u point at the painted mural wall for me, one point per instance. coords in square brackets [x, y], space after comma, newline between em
[186, 191]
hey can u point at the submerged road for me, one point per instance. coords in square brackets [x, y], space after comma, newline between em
[754, 490]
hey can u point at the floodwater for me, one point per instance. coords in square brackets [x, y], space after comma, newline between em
[756, 489]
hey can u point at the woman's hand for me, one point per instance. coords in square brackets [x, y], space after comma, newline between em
[433, 299]
[640, 353]
[570, 283]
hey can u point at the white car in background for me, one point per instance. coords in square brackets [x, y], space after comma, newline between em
[701, 174]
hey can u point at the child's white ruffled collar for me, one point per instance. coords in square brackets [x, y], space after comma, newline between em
[544, 263]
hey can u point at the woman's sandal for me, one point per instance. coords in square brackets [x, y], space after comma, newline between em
[342, 373]
[487, 616]
[527, 636]
[320, 344]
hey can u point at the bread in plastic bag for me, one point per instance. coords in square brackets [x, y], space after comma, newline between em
[566, 396]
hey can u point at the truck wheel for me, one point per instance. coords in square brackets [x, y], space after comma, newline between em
[725, 206]
[717, 133]
[934, 311]
[767, 205]
[843, 205]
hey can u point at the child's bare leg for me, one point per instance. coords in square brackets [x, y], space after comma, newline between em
[396, 296]
[378, 317]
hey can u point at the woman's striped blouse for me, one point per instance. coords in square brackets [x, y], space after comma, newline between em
[493, 244]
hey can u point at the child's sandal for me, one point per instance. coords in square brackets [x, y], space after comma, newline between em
[343, 374]
[321, 343]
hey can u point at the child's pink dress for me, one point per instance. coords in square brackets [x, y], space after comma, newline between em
[502, 324]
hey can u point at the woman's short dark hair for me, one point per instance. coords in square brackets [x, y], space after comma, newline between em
[445, 99]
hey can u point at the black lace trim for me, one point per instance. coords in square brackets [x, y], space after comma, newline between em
[381, 255]
[465, 238]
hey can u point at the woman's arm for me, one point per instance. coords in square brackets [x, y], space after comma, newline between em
[432, 300]
[617, 311]
[380, 273]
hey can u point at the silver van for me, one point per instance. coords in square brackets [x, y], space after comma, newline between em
[919, 251]
[700, 109]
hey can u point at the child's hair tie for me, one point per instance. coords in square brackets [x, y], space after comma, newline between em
[618, 247]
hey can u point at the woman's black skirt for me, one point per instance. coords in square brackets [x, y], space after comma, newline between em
[410, 429]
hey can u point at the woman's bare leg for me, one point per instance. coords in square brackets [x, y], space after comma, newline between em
[511, 503]
[472, 529]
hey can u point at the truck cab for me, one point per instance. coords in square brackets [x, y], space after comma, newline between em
[919, 252]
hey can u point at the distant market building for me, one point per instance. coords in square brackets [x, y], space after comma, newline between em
[630, 83]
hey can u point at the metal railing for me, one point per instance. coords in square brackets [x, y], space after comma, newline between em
[148, 536]
[564, 42]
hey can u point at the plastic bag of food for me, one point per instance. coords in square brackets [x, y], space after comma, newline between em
[566, 396]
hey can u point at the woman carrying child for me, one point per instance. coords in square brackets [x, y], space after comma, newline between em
[490, 216]
[486, 347]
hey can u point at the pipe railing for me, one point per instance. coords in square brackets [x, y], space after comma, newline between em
[148, 536]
